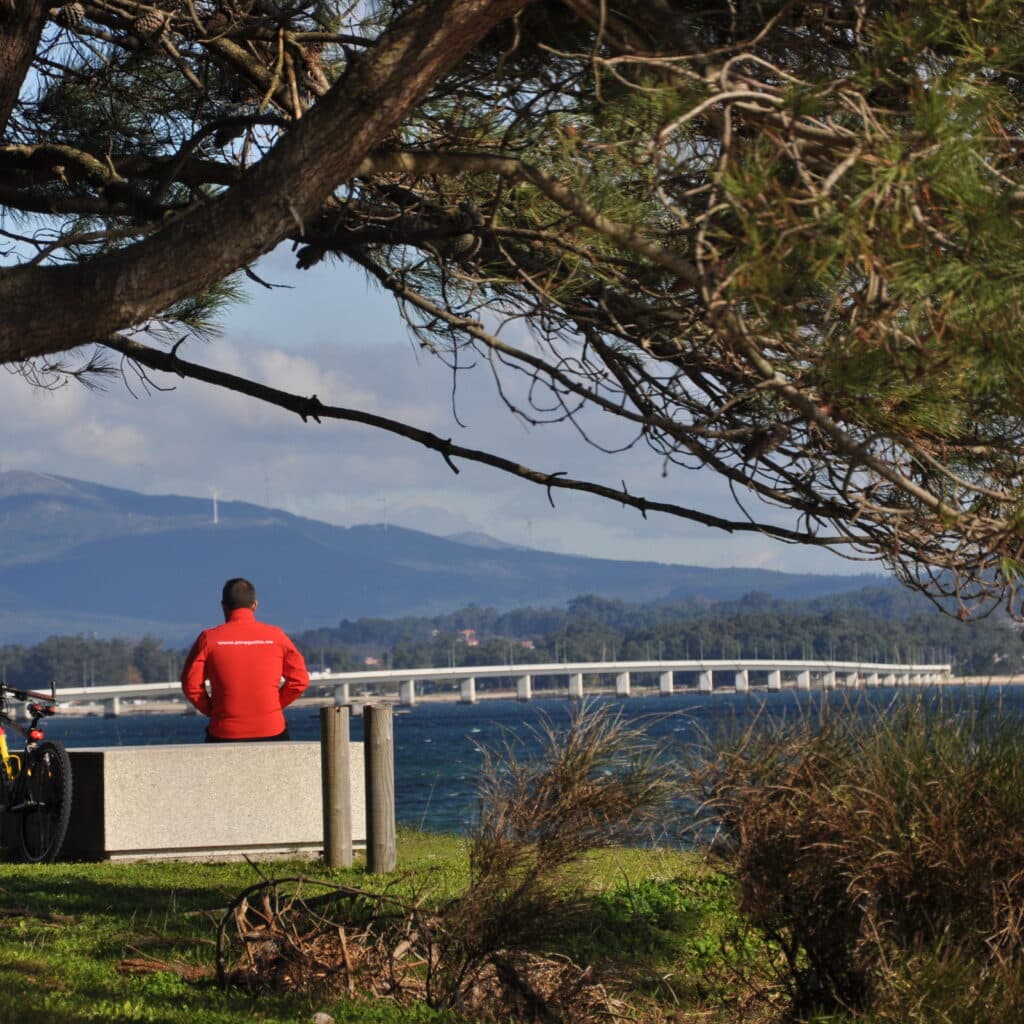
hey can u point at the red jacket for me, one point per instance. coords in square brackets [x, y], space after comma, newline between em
[244, 660]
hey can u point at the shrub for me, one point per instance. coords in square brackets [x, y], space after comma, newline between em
[869, 842]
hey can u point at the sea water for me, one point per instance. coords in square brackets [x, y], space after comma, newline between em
[439, 745]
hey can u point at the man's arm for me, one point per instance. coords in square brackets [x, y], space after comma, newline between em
[296, 677]
[193, 677]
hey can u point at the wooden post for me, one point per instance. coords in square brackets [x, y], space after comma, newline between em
[336, 778]
[379, 754]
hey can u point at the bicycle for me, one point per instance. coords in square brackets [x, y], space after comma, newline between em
[35, 785]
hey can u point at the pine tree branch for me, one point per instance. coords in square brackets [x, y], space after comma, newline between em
[311, 408]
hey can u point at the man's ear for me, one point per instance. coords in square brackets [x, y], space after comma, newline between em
[255, 603]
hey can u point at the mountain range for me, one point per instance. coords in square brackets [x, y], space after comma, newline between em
[82, 558]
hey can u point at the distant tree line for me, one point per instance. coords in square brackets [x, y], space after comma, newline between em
[875, 624]
[84, 661]
[870, 625]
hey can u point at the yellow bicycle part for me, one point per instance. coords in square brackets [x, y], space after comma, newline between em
[11, 761]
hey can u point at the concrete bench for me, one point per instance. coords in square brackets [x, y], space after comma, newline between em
[203, 801]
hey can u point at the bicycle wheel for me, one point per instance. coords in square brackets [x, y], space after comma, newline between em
[43, 803]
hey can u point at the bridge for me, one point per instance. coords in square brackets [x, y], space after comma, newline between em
[573, 679]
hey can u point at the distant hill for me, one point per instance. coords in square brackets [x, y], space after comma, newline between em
[77, 557]
[475, 539]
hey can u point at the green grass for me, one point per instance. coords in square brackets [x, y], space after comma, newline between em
[64, 928]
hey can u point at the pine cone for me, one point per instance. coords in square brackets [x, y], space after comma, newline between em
[151, 23]
[71, 15]
[461, 247]
[216, 24]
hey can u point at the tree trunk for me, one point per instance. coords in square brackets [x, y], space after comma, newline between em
[21, 25]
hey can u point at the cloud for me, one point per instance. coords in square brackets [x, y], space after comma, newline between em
[32, 405]
[121, 445]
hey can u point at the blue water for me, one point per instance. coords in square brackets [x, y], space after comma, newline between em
[437, 745]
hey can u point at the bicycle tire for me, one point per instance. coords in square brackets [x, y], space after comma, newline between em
[44, 790]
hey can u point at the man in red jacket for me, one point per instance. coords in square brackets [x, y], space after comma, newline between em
[245, 662]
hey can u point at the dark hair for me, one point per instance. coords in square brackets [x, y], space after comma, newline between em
[238, 593]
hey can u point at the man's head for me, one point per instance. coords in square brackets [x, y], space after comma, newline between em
[237, 593]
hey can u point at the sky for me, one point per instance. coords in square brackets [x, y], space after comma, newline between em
[330, 333]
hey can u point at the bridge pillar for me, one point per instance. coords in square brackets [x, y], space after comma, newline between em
[704, 684]
[742, 681]
[803, 680]
[666, 684]
[112, 707]
[873, 679]
[524, 688]
[828, 680]
[467, 690]
[890, 679]
[622, 684]
[576, 686]
[407, 693]
[341, 694]
[853, 680]
[775, 679]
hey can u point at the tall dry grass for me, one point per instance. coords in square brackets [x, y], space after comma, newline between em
[544, 800]
[883, 852]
